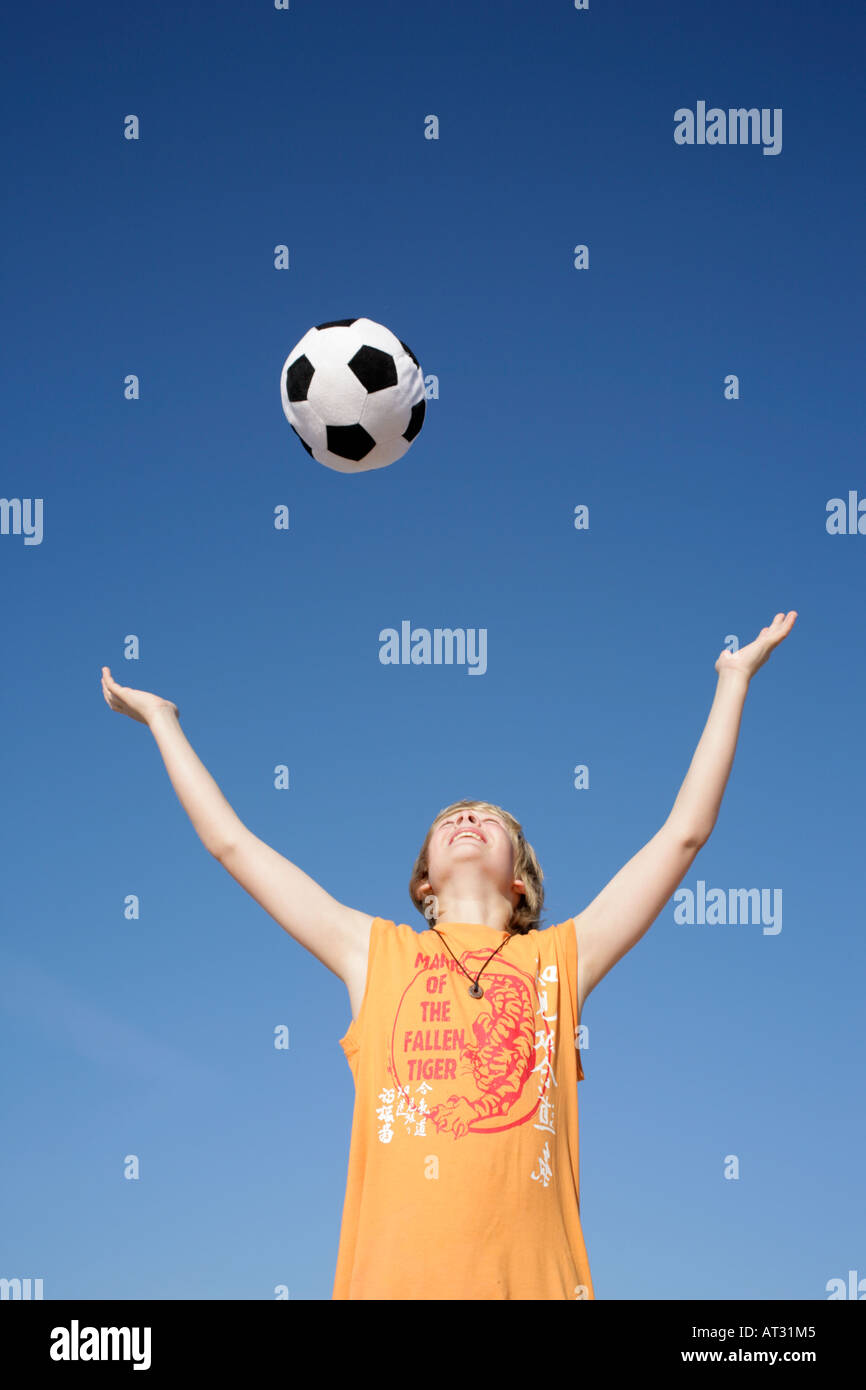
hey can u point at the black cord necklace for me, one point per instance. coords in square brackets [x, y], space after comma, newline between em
[474, 989]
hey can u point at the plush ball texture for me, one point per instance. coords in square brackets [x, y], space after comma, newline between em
[354, 394]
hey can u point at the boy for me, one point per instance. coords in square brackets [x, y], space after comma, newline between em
[464, 1043]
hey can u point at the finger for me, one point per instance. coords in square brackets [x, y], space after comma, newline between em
[784, 626]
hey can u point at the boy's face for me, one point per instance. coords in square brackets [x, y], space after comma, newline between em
[471, 835]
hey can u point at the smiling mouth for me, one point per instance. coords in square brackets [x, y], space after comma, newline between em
[467, 834]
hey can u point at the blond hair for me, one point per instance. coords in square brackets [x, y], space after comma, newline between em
[527, 914]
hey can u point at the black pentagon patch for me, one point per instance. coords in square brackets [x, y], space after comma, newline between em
[299, 374]
[350, 442]
[303, 441]
[337, 323]
[406, 348]
[416, 420]
[374, 369]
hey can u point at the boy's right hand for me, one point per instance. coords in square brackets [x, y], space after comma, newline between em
[138, 704]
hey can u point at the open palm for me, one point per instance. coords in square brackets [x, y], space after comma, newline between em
[138, 704]
[749, 659]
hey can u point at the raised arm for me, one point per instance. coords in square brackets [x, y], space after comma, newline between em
[628, 905]
[336, 935]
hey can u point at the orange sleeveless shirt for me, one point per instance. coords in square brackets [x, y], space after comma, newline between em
[463, 1160]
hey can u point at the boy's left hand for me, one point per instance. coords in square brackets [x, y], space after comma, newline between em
[749, 659]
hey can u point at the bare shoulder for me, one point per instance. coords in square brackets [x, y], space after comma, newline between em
[582, 975]
[355, 954]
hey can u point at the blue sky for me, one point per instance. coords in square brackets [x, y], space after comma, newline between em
[557, 388]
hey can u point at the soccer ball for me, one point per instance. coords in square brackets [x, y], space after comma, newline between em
[354, 394]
